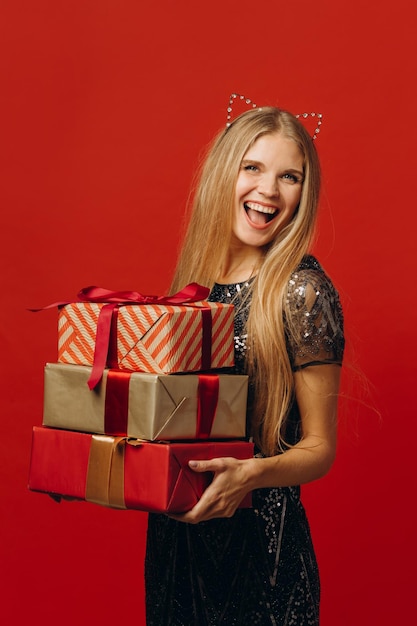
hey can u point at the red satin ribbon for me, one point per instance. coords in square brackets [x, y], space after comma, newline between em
[208, 396]
[190, 293]
[116, 406]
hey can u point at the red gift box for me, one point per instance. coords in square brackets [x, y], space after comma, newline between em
[122, 473]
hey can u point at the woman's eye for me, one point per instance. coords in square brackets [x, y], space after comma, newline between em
[292, 178]
[250, 168]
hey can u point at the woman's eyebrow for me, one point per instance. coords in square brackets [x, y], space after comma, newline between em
[251, 162]
[292, 170]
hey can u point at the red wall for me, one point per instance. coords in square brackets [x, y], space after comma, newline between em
[105, 106]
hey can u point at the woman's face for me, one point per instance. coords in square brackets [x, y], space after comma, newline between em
[268, 190]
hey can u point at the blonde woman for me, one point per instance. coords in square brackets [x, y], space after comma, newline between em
[248, 239]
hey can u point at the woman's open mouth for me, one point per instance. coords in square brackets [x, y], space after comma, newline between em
[260, 214]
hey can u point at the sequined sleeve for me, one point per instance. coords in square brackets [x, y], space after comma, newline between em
[316, 318]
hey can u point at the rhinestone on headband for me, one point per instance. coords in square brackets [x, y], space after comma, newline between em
[319, 121]
[249, 103]
[233, 97]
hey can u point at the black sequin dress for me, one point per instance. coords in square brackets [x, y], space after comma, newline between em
[259, 566]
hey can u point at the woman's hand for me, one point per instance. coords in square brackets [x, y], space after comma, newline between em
[230, 484]
[316, 389]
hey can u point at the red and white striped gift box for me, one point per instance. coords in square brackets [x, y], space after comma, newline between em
[161, 339]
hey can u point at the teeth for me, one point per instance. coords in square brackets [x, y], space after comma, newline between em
[260, 208]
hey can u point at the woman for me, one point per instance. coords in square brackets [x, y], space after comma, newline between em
[248, 239]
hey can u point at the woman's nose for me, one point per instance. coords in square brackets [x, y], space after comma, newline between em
[268, 186]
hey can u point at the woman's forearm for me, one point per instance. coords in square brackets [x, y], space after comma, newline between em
[309, 460]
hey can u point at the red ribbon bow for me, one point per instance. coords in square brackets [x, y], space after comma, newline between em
[191, 293]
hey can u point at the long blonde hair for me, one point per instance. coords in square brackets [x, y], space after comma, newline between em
[205, 249]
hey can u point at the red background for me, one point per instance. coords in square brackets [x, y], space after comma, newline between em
[105, 107]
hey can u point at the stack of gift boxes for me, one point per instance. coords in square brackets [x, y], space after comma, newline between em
[138, 390]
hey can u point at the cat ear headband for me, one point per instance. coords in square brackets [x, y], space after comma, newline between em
[237, 96]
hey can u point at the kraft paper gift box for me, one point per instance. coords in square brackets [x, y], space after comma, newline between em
[146, 406]
[121, 473]
[161, 339]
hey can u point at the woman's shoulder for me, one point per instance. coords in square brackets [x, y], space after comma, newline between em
[310, 266]
[310, 289]
[310, 276]
[314, 308]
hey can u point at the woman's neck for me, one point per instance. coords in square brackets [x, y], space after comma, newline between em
[239, 267]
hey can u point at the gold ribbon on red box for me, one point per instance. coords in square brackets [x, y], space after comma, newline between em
[105, 473]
